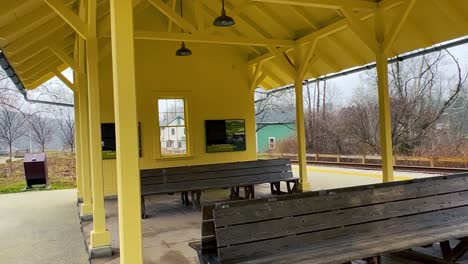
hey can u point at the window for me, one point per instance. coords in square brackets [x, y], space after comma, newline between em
[172, 125]
[271, 143]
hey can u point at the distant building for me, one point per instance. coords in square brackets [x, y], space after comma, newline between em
[173, 137]
[272, 127]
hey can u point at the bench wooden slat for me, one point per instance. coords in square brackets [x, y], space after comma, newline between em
[299, 205]
[213, 175]
[256, 231]
[213, 167]
[215, 183]
[364, 232]
[343, 251]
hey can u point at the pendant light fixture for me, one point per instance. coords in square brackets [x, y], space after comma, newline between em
[183, 51]
[224, 20]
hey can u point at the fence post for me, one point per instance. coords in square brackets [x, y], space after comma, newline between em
[432, 162]
[364, 159]
[316, 157]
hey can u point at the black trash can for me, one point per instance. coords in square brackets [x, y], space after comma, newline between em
[35, 169]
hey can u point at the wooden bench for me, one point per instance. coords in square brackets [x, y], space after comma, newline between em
[236, 175]
[340, 225]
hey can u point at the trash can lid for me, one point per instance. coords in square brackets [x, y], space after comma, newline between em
[28, 157]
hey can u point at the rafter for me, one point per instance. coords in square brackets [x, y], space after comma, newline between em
[360, 29]
[255, 75]
[173, 16]
[392, 35]
[331, 4]
[64, 79]
[63, 56]
[40, 70]
[456, 15]
[72, 19]
[52, 27]
[38, 82]
[214, 39]
[25, 25]
[274, 21]
[283, 60]
[36, 47]
[45, 55]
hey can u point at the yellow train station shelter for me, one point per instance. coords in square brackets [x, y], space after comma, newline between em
[139, 62]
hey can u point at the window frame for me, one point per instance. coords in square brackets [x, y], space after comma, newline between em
[157, 135]
[269, 143]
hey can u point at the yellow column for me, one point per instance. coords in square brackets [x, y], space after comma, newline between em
[79, 181]
[128, 175]
[384, 100]
[86, 211]
[100, 237]
[300, 129]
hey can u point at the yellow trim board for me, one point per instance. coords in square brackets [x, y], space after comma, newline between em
[359, 174]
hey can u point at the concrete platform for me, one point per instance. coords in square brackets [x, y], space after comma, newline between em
[171, 226]
[41, 228]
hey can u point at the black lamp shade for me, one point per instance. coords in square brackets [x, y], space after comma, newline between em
[183, 51]
[224, 20]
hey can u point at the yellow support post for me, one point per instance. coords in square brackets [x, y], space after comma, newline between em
[384, 100]
[86, 212]
[303, 55]
[99, 237]
[301, 141]
[128, 179]
[79, 180]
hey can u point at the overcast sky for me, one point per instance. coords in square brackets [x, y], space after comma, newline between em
[344, 87]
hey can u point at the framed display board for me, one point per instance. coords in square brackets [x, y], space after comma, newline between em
[108, 140]
[225, 135]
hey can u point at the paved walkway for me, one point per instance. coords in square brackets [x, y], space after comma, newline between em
[41, 228]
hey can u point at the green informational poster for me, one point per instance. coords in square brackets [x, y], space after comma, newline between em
[225, 135]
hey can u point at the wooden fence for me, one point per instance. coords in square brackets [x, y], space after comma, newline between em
[449, 162]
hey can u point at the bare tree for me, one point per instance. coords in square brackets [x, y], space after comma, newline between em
[42, 129]
[12, 126]
[421, 96]
[66, 124]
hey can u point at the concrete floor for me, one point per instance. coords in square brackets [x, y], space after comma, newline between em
[171, 226]
[41, 228]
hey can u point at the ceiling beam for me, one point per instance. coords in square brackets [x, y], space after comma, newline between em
[312, 37]
[392, 35]
[64, 79]
[72, 19]
[364, 33]
[213, 39]
[330, 4]
[27, 24]
[173, 16]
[63, 56]
[49, 28]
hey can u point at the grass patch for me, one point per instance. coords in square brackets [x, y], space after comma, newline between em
[61, 170]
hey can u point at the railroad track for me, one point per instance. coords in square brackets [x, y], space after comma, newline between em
[435, 170]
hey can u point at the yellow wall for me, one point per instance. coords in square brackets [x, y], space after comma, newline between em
[215, 82]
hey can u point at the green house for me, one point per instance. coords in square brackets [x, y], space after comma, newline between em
[272, 127]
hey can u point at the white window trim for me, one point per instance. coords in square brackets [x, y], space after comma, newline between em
[274, 142]
[157, 146]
